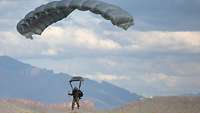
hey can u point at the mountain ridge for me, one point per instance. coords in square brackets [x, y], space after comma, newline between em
[21, 80]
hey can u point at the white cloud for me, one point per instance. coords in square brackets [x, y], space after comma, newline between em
[157, 78]
[108, 62]
[51, 52]
[77, 36]
[106, 77]
[160, 41]
[54, 41]
[12, 44]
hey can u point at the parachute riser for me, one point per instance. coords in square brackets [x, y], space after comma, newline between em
[80, 83]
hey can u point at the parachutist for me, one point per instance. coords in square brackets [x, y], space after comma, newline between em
[76, 92]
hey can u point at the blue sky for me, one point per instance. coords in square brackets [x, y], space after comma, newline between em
[159, 55]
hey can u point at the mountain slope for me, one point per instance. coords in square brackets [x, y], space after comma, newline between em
[28, 106]
[173, 104]
[20, 80]
[176, 104]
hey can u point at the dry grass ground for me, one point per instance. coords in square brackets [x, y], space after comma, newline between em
[26, 106]
[148, 105]
[163, 105]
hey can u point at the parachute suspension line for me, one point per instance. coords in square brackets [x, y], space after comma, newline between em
[80, 85]
[71, 85]
[76, 79]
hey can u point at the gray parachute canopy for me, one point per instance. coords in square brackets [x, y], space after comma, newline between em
[35, 22]
[77, 78]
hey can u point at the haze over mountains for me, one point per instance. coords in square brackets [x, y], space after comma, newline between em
[23, 81]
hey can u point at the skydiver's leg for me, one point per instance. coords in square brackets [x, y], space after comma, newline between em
[77, 102]
[73, 103]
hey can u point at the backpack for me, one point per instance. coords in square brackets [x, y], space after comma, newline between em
[80, 93]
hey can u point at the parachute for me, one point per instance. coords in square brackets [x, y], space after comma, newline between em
[36, 21]
[76, 79]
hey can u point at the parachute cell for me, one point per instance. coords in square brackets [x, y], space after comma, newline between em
[38, 20]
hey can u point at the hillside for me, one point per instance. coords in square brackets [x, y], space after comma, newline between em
[23, 81]
[176, 104]
[189, 104]
[28, 106]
